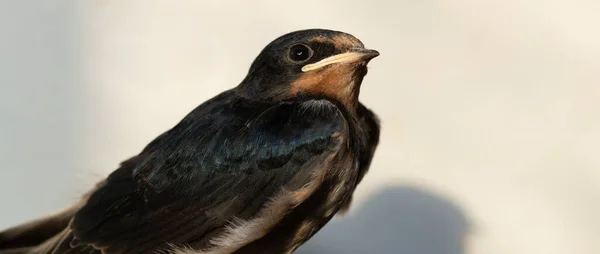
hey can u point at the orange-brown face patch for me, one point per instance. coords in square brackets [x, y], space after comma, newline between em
[334, 82]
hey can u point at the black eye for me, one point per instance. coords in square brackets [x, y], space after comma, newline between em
[300, 52]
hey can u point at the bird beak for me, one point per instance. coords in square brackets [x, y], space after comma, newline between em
[353, 56]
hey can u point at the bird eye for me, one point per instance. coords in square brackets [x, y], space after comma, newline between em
[300, 52]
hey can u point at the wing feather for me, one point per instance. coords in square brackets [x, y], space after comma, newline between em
[191, 182]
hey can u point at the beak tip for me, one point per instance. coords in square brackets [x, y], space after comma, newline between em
[370, 53]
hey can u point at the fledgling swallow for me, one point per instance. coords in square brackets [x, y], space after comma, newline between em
[259, 168]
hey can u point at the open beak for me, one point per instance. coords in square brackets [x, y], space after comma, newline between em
[353, 56]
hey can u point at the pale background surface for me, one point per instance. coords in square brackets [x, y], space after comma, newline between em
[490, 110]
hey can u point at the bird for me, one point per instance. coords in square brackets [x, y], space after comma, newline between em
[258, 168]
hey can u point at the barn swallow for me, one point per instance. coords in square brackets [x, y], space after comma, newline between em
[259, 168]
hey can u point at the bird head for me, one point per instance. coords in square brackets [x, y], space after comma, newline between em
[312, 62]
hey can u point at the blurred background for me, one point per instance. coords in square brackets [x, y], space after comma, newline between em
[490, 110]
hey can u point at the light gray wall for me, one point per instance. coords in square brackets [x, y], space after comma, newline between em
[39, 108]
[490, 109]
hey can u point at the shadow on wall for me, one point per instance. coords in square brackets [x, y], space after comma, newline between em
[403, 220]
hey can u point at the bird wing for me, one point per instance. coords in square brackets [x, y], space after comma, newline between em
[191, 182]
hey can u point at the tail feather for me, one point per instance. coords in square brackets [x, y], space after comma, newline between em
[35, 232]
[25, 250]
[40, 231]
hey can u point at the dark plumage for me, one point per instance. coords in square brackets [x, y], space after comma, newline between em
[259, 168]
